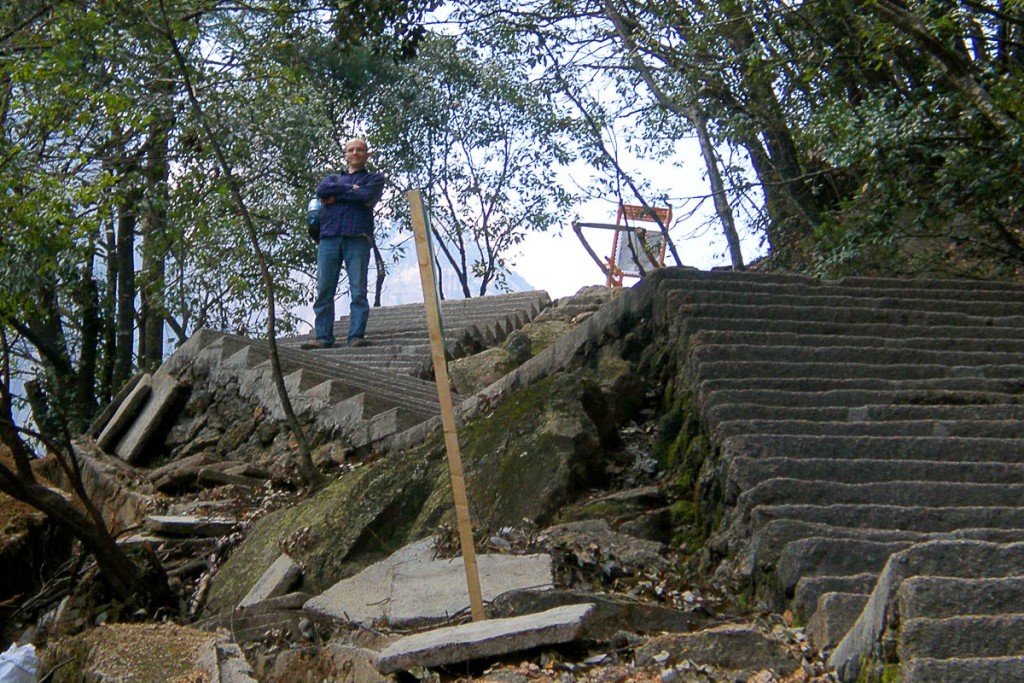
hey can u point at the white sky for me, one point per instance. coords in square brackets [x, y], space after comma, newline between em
[558, 263]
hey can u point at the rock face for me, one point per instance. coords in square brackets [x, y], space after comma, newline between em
[551, 453]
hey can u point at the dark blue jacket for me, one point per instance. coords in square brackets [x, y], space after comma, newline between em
[351, 212]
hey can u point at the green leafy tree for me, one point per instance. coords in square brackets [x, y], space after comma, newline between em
[483, 143]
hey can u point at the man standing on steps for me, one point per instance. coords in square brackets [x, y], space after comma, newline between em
[346, 236]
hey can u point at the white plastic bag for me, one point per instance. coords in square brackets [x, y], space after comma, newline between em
[19, 664]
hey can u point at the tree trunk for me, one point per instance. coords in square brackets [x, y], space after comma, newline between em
[154, 248]
[126, 579]
[699, 121]
[108, 343]
[85, 397]
[125, 320]
[722, 207]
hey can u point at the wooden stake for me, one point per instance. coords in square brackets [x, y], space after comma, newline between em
[444, 395]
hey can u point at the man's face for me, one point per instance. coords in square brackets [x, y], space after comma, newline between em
[356, 155]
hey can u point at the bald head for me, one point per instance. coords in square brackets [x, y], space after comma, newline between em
[356, 154]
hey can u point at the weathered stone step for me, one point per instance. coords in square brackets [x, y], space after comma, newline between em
[962, 670]
[943, 494]
[834, 614]
[968, 559]
[968, 290]
[359, 407]
[743, 473]
[767, 541]
[989, 635]
[832, 311]
[841, 371]
[809, 590]
[719, 413]
[861, 338]
[817, 556]
[809, 391]
[938, 597]
[854, 299]
[875, 332]
[963, 449]
[928, 519]
[703, 353]
[494, 314]
[993, 429]
[417, 396]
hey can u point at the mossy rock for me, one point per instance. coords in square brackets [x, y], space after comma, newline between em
[537, 451]
[363, 516]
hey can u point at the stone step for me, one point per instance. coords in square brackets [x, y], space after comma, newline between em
[811, 391]
[990, 429]
[257, 383]
[809, 590]
[767, 542]
[927, 288]
[858, 338]
[414, 393]
[943, 494]
[719, 413]
[876, 332]
[989, 635]
[874, 516]
[962, 670]
[966, 559]
[939, 597]
[702, 353]
[837, 312]
[840, 371]
[834, 614]
[743, 473]
[817, 556]
[501, 313]
[854, 299]
[946, 449]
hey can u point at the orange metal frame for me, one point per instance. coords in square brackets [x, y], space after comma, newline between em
[660, 216]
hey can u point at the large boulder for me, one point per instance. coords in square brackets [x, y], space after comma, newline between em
[547, 451]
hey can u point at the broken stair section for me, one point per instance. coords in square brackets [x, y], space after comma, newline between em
[364, 397]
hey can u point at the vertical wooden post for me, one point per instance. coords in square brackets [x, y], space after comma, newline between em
[444, 395]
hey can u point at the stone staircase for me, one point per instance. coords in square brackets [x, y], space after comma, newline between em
[374, 396]
[868, 465]
[399, 340]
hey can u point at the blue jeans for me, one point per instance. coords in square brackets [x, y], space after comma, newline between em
[354, 252]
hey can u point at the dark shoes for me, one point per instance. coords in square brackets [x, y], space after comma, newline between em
[355, 342]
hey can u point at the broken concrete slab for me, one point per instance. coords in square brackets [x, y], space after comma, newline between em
[371, 583]
[126, 410]
[484, 639]
[410, 588]
[164, 392]
[436, 591]
[277, 580]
